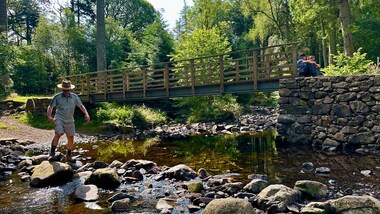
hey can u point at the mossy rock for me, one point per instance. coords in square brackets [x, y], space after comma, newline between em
[195, 187]
[228, 206]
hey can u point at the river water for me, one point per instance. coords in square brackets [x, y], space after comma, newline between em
[245, 155]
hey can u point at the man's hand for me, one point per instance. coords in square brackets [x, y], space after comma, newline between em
[51, 119]
[87, 117]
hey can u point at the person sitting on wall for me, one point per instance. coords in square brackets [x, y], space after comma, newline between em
[317, 66]
[306, 67]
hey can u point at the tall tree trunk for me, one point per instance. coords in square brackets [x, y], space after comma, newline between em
[345, 19]
[100, 36]
[332, 44]
[3, 16]
[78, 13]
[323, 63]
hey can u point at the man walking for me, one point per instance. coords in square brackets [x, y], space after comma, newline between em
[65, 103]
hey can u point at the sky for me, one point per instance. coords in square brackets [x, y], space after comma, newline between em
[171, 9]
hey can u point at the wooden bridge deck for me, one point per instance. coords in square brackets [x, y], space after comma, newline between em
[232, 73]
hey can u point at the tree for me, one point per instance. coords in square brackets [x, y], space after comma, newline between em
[345, 17]
[3, 16]
[32, 72]
[23, 19]
[134, 15]
[83, 9]
[270, 18]
[100, 37]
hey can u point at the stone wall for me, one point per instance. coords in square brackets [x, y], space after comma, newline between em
[37, 105]
[331, 112]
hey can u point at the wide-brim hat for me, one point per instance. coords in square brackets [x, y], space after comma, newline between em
[66, 85]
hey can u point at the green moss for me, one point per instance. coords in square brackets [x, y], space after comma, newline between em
[195, 187]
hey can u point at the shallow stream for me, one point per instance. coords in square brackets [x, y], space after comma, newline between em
[246, 155]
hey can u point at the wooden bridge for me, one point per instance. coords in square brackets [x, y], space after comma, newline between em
[239, 72]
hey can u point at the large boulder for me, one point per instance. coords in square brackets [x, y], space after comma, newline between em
[87, 193]
[355, 205]
[311, 189]
[344, 205]
[229, 205]
[51, 174]
[256, 185]
[106, 178]
[277, 198]
[180, 172]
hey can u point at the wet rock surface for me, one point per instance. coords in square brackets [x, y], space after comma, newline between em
[180, 189]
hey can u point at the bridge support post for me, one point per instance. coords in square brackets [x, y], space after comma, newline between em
[254, 69]
[166, 79]
[192, 70]
[221, 73]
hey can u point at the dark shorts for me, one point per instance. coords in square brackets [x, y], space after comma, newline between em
[67, 128]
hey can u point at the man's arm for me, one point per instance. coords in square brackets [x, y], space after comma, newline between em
[49, 112]
[84, 110]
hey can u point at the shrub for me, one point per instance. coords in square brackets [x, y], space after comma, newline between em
[139, 116]
[211, 108]
[345, 65]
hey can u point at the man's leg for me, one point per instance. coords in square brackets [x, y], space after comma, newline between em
[70, 144]
[54, 143]
[58, 133]
[70, 132]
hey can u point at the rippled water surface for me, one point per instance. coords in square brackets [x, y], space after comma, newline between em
[245, 155]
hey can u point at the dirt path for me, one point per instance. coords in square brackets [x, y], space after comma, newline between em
[15, 129]
[20, 131]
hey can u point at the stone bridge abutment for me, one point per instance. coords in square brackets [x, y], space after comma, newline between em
[331, 112]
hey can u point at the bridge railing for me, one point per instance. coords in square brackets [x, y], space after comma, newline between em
[254, 65]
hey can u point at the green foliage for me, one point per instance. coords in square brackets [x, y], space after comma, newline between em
[202, 42]
[259, 99]
[366, 33]
[5, 82]
[33, 73]
[345, 65]
[212, 108]
[139, 116]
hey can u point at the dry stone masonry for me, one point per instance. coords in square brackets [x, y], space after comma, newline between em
[331, 112]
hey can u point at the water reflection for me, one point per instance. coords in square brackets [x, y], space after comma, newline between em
[246, 155]
[217, 154]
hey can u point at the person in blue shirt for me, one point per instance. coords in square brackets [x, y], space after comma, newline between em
[306, 68]
[65, 103]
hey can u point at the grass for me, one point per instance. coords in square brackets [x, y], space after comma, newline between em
[36, 121]
[3, 126]
[41, 122]
[22, 99]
